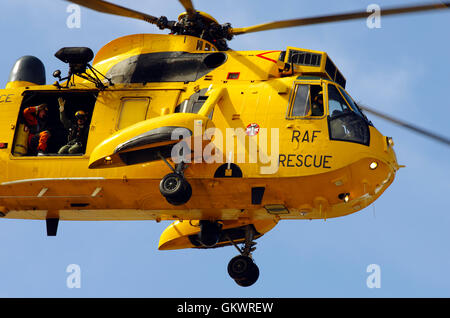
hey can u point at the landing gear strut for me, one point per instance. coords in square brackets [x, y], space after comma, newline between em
[242, 268]
[174, 187]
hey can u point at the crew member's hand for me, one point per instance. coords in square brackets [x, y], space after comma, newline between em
[61, 103]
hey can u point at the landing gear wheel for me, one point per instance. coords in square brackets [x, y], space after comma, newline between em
[251, 278]
[240, 266]
[174, 186]
[183, 195]
[175, 189]
[171, 185]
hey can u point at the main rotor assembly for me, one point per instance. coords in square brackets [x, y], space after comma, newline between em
[199, 24]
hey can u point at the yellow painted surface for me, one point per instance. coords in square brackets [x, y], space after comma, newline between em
[132, 111]
[260, 95]
[17, 84]
[176, 235]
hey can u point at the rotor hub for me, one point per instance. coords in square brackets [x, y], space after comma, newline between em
[201, 25]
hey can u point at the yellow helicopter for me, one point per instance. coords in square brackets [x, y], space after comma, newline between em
[180, 127]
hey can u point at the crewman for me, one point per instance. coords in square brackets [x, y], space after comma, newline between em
[317, 106]
[78, 130]
[36, 118]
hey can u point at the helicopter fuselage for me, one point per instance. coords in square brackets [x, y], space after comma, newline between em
[269, 164]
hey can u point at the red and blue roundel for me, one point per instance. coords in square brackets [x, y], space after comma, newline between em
[252, 129]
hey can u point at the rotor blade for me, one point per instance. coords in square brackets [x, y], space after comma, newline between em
[187, 4]
[107, 7]
[337, 17]
[416, 129]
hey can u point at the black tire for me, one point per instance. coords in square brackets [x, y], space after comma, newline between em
[171, 185]
[252, 277]
[182, 197]
[240, 267]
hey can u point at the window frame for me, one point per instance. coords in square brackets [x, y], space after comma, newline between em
[293, 94]
[122, 103]
[340, 89]
[50, 92]
[337, 86]
[358, 110]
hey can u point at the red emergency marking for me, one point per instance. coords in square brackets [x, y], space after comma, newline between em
[233, 76]
[266, 58]
[3, 145]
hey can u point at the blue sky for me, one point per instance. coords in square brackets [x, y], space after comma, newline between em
[401, 69]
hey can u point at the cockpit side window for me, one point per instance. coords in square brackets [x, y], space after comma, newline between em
[354, 106]
[308, 101]
[345, 123]
[351, 102]
[336, 102]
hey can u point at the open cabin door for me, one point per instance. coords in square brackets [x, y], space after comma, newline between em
[45, 133]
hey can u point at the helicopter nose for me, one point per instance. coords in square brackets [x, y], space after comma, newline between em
[383, 154]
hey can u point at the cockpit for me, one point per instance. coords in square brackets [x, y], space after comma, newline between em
[326, 99]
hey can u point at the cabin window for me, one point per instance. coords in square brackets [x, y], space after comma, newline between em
[307, 102]
[132, 111]
[53, 123]
[344, 123]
